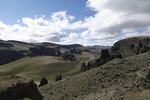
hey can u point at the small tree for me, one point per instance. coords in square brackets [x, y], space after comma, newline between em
[89, 65]
[58, 77]
[83, 67]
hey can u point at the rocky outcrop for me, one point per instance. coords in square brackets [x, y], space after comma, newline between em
[5, 45]
[75, 51]
[43, 82]
[8, 55]
[44, 51]
[104, 57]
[131, 46]
[77, 46]
[121, 49]
[20, 91]
[13, 50]
[69, 57]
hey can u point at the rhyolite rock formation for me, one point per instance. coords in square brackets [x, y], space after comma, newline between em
[69, 57]
[8, 55]
[20, 91]
[121, 49]
[130, 46]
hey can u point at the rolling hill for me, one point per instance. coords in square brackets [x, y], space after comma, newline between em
[38, 60]
[14, 50]
[125, 77]
[116, 80]
[121, 72]
[43, 66]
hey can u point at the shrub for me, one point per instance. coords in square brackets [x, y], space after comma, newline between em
[58, 77]
[83, 67]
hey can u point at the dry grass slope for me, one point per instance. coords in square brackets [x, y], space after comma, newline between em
[44, 66]
[115, 80]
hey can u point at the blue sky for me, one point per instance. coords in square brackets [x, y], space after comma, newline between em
[86, 22]
[12, 10]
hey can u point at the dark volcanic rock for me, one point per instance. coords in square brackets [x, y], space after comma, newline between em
[69, 57]
[72, 46]
[5, 45]
[121, 49]
[8, 55]
[21, 91]
[124, 48]
[43, 82]
[75, 51]
[105, 56]
[44, 51]
[13, 50]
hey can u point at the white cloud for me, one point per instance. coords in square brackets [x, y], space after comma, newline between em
[113, 20]
[38, 29]
[114, 16]
[72, 38]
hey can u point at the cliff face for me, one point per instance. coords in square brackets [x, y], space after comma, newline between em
[121, 49]
[14, 50]
[44, 51]
[5, 45]
[8, 55]
[21, 91]
[131, 46]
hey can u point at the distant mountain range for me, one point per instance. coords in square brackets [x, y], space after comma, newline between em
[120, 72]
[12, 50]
[98, 48]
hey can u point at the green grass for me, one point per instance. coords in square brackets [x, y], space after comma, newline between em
[38, 67]
[43, 66]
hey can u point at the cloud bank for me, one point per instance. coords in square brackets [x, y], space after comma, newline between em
[113, 20]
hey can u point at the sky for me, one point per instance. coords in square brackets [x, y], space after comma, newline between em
[86, 22]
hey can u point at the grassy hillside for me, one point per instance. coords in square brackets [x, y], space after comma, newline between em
[122, 77]
[38, 67]
[13, 50]
[116, 80]
[44, 66]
